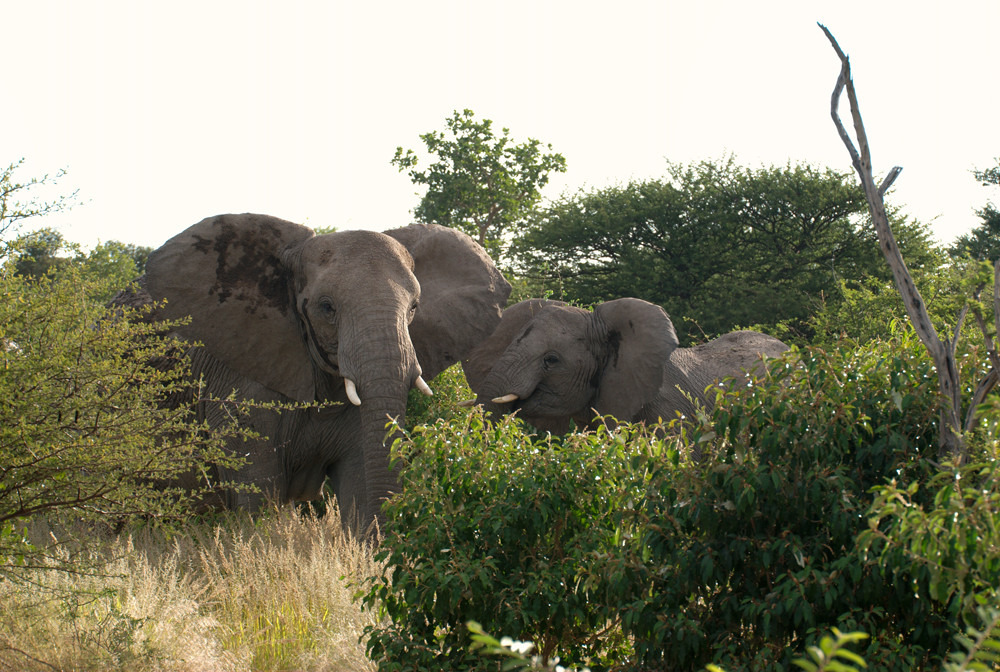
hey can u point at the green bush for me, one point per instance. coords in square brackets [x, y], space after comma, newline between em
[763, 555]
[494, 525]
[84, 434]
[611, 549]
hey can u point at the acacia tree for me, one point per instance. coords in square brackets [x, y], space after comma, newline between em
[716, 244]
[480, 183]
[941, 349]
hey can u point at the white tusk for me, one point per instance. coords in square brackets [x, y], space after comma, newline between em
[352, 392]
[468, 403]
[423, 387]
[506, 399]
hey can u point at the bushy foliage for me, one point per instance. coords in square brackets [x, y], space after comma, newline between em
[479, 182]
[982, 242]
[450, 389]
[866, 309]
[85, 434]
[946, 530]
[494, 525]
[612, 549]
[764, 552]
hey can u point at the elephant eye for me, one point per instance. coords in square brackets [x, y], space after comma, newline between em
[326, 308]
[550, 360]
[413, 309]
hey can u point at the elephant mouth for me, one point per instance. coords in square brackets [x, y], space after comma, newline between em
[532, 404]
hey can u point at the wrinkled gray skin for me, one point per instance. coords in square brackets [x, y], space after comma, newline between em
[564, 363]
[287, 315]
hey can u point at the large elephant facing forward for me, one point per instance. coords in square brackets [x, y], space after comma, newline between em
[553, 363]
[355, 317]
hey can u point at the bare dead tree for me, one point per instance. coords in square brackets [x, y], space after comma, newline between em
[942, 352]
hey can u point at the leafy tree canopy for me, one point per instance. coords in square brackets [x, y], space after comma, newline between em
[480, 182]
[45, 251]
[983, 242]
[716, 244]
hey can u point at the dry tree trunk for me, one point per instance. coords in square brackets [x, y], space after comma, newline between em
[943, 352]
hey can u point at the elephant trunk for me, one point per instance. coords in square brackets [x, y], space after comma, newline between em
[383, 377]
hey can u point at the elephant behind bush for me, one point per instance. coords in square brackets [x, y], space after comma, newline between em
[552, 363]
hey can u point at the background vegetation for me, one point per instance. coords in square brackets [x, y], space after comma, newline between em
[820, 502]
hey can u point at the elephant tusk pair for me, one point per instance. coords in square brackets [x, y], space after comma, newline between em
[352, 390]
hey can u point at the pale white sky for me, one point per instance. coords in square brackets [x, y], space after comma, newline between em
[164, 113]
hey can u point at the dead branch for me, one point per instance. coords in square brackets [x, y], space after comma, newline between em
[942, 352]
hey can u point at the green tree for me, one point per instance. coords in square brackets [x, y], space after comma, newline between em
[85, 435]
[480, 183]
[717, 245]
[37, 253]
[983, 242]
[114, 260]
[45, 251]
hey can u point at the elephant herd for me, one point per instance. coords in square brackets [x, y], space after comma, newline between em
[279, 313]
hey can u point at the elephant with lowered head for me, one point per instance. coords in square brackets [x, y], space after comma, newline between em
[356, 317]
[552, 363]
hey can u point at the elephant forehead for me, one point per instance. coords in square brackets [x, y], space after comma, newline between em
[558, 325]
[356, 253]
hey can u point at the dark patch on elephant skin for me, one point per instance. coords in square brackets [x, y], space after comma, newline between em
[202, 244]
[614, 343]
[244, 263]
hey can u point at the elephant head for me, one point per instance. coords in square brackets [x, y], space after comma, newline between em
[553, 363]
[356, 317]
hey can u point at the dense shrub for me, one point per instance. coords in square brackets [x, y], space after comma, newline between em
[494, 525]
[613, 549]
[84, 433]
[764, 552]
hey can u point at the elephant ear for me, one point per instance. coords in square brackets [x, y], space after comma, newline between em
[480, 361]
[225, 272]
[461, 294]
[640, 337]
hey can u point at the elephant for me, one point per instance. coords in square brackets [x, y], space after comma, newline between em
[552, 363]
[279, 313]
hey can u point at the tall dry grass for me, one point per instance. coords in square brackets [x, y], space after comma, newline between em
[271, 593]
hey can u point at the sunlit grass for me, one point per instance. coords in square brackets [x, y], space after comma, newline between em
[235, 594]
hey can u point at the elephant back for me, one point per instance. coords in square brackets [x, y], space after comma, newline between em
[736, 355]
